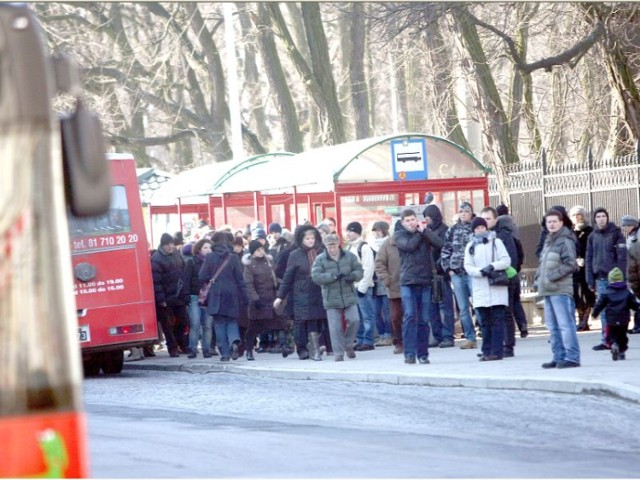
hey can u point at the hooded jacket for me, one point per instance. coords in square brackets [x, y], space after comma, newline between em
[616, 300]
[493, 253]
[228, 291]
[543, 234]
[505, 231]
[557, 264]
[415, 254]
[439, 228]
[261, 286]
[168, 283]
[306, 295]
[606, 249]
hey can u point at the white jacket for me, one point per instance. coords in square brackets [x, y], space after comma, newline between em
[368, 264]
[485, 295]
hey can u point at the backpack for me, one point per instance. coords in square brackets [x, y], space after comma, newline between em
[520, 254]
[375, 277]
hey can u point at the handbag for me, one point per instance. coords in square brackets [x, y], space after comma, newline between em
[203, 295]
[497, 278]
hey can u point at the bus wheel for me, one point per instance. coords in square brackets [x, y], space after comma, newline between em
[112, 362]
[91, 367]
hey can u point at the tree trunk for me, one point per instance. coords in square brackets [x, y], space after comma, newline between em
[278, 81]
[359, 94]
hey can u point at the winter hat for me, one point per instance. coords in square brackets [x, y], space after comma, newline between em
[355, 227]
[259, 233]
[275, 228]
[502, 209]
[255, 225]
[178, 238]
[187, 250]
[615, 275]
[166, 239]
[331, 239]
[629, 221]
[476, 222]
[578, 209]
[600, 210]
[254, 245]
[466, 206]
[381, 225]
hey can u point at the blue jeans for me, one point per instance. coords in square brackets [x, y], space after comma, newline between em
[559, 316]
[442, 318]
[462, 290]
[601, 287]
[227, 332]
[199, 321]
[367, 323]
[416, 305]
[382, 315]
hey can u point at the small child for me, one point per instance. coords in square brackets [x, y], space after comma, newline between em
[617, 300]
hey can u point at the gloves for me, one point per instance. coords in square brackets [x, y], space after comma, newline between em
[340, 275]
[258, 304]
[348, 278]
[360, 294]
[486, 271]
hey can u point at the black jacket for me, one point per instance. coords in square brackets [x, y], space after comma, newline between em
[606, 249]
[192, 266]
[504, 231]
[168, 283]
[617, 300]
[440, 228]
[415, 254]
[306, 295]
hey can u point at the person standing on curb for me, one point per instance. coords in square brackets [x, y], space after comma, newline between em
[452, 261]
[336, 270]
[606, 249]
[484, 254]
[388, 272]
[415, 241]
[554, 282]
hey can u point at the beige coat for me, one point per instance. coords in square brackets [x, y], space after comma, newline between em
[388, 267]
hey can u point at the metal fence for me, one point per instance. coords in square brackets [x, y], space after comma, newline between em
[535, 186]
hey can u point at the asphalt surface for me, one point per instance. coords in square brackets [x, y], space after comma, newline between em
[449, 367]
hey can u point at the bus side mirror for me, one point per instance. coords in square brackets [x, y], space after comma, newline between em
[86, 172]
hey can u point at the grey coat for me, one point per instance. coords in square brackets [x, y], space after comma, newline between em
[337, 293]
[557, 264]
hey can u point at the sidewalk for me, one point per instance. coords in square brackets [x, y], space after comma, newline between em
[450, 367]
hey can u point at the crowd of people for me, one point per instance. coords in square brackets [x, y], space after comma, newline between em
[316, 293]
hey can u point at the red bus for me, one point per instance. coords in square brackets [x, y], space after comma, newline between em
[48, 165]
[112, 273]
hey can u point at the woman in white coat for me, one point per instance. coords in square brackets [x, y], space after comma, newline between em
[484, 254]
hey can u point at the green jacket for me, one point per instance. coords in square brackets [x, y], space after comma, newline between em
[557, 264]
[337, 293]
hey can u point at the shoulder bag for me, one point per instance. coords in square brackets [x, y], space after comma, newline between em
[203, 296]
[497, 278]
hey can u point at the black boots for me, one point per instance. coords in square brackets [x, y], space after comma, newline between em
[314, 346]
[250, 354]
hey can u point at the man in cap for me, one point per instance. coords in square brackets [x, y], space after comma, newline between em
[630, 228]
[606, 249]
[364, 287]
[452, 262]
[335, 271]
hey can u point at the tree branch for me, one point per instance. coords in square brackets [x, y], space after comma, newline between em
[152, 141]
[570, 56]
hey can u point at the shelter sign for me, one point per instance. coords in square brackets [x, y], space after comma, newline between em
[409, 159]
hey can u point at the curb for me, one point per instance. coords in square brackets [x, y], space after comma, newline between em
[568, 385]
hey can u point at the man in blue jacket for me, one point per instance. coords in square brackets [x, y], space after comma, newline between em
[415, 241]
[606, 249]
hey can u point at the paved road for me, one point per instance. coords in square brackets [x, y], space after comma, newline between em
[166, 424]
